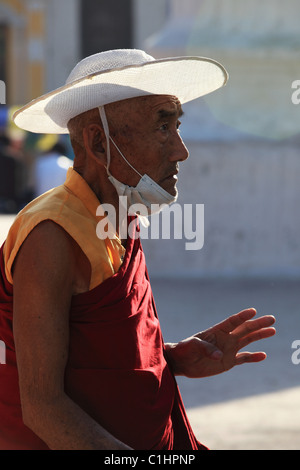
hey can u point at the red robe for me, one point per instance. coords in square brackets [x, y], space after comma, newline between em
[117, 371]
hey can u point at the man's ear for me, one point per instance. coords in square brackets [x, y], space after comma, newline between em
[95, 143]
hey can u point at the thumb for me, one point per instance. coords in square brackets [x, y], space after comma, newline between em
[199, 347]
[210, 350]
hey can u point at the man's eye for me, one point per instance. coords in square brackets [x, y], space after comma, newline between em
[164, 128]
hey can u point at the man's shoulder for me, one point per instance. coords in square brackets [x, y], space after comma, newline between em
[58, 205]
[48, 202]
[41, 216]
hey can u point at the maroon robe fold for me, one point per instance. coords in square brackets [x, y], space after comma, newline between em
[117, 371]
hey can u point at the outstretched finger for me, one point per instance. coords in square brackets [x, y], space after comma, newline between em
[250, 357]
[235, 321]
[251, 326]
[256, 336]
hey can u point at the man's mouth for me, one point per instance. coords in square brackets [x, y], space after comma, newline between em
[172, 176]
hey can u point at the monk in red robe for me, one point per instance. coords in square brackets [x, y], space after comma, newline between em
[85, 362]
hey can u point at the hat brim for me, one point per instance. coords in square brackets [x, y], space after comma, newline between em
[187, 78]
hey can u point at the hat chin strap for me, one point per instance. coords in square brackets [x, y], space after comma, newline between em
[108, 139]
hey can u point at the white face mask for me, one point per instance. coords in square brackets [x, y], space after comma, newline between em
[146, 192]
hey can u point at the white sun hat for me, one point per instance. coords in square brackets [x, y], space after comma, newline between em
[117, 75]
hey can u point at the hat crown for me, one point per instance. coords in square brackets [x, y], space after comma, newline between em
[108, 60]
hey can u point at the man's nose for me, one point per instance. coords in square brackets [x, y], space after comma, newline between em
[179, 151]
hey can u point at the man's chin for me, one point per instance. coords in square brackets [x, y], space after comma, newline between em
[170, 187]
[174, 193]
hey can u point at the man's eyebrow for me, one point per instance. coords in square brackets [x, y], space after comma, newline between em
[164, 113]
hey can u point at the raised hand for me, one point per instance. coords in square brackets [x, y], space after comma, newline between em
[217, 349]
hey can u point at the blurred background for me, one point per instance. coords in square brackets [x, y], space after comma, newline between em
[244, 166]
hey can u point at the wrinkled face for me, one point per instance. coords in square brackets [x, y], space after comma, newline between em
[146, 130]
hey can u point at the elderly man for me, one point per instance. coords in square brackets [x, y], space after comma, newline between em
[86, 366]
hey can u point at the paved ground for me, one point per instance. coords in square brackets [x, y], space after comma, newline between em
[251, 406]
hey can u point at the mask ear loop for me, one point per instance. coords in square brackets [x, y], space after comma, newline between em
[106, 132]
[108, 139]
[144, 220]
[128, 163]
